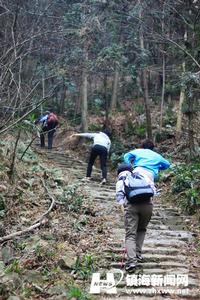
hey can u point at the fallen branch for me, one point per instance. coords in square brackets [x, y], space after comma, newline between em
[53, 202]
[37, 223]
[18, 233]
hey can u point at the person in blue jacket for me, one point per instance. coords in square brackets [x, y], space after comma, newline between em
[147, 163]
[146, 160]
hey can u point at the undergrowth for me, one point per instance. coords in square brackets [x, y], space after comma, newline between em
[186, 186]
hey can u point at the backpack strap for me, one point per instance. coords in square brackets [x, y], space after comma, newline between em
[122, 178]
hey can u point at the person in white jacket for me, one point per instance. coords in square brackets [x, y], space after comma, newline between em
[101, 147]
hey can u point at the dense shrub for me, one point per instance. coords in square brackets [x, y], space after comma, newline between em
[186, 184]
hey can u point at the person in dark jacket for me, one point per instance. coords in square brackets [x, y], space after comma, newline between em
[49, 122]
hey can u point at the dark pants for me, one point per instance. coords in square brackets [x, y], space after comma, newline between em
[50, 133]
[102, 152]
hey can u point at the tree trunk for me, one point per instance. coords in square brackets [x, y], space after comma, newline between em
[179, 113]
[62, 99]
[163, 93]
[181, 100]
[145, 82]
[84, 108]
[163, 70]
[43, 93]
[113, 104]
[105, 84]
[146, 104]
[190, 129]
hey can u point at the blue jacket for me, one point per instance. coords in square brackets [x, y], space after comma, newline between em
[147, 159]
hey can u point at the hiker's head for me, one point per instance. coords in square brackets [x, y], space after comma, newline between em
[47, 112]
[148, 144]
[124, 167]
[107, 132]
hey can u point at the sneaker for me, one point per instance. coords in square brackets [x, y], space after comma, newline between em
[85, 179]
[130, 267]
[103, 181]
[140, 258]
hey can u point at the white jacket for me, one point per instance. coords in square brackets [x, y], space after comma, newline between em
[99, 138]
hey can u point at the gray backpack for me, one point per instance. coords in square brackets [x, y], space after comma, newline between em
[137, 189]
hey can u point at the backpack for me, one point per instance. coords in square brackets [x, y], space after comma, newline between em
[52, 119]
[136, 188]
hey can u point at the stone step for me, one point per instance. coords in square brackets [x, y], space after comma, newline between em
[166, 242]
[154, 265]
[131, 297]
[148, 257]
[155, 251]
[153, 243]
[158, 236]
[193, 278]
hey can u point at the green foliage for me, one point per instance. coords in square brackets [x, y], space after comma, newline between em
[76, 293]
[189, 107]
[172, 88]
[84, 267]
[37, 168]
[94, 128]
[14, 267]
[140, 131]
[109, 55]
[75, 120]
[139, 108]
[169, 117]
[72, 198]
[116, 159]
[129, 127]
[117, 152]
[79, 224]
[97, 105]
[30, 156]
[190, 79]
[161, 136]
[136, 129]
[143, 58]
[186, 184]
[43, 253]
[26, 292]
[19, 245]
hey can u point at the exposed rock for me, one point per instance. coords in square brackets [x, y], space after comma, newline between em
[14, 298]
[12, 281]
[7, 254]
[68, 258]
[3, 188]
[67, 261]
[59, 289]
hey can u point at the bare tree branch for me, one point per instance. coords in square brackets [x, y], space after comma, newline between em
[28, 113]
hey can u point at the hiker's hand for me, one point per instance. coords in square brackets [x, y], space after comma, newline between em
[73, 135]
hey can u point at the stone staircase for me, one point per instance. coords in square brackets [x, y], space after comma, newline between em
[166, 248]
